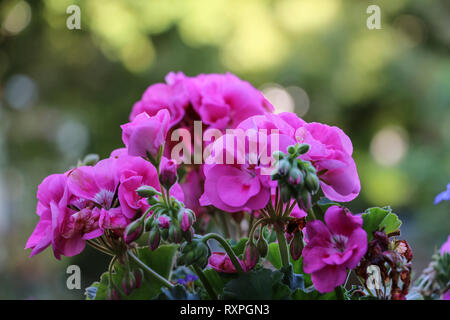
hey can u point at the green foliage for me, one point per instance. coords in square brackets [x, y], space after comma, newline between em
[378, 218]
[160, 260]
[260, 284]
[311, 294]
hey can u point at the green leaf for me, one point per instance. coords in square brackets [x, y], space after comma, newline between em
[239, 247]
[273, 255]
[161, 260]
[218, 280]
[378, 218]
[324, 203]
[261, 284]
[312, 295]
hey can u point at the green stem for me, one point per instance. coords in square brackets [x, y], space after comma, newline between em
[312, 214]
[282, 246]
[226, 228]
[250, 223]
[227, 248]
[255, 225]
[205, 282]
[339, 293]
[110, 268]
[164, 282]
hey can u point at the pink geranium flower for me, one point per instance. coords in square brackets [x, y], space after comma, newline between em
[221, 262]
[330, 151]
[224, 100]
[172, 95]
[234, 184]
[79, 205]
[331, 154]
[145, 134]
[334, 247]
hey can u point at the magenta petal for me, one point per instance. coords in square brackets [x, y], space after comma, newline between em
[237, 190]
[328, 278]
[313, 258]
[340, 221]
[81, 182]
[316, 228]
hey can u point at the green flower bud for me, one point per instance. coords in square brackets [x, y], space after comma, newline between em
[295, 176]
[148, 222]
[91, 159]
[312, 182]
[292, 150]
[195, 252]
[278, 155]
[304, 200]
[262, 246]
[147, 191]
[164, 234]
[133, 231]
[303, 148]
[250, 255]
[283, 167]
[154, 239]
[296, 246]
[174, 233]
[152, 200]
[308, 167]
[128, 283]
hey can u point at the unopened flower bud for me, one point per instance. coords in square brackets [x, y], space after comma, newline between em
[283, 167]
[164, 233]
[91, 159]
[250, 255]
[128, 283]
[168, 174]
[292, 150]
[303, 148]
[262, 246]
[133, 231]
[304, 200]
[312, 182]
[188, 234]
[147, 191]
[174, 233]
[278, 155]
[296, 246]
[185, 219]
[149, 222]
[195, 252]
[139, 276]
[154, 238]
[295, 176]
[112, 293]
[152, 200]
[308, 167]
[164, 221]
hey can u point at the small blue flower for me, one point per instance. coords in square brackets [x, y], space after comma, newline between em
[444, 195]
[187, 279]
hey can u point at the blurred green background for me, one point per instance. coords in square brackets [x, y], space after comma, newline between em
[64, 93]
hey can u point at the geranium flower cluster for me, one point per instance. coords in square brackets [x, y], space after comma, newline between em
[284, 176]
[89, 202]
